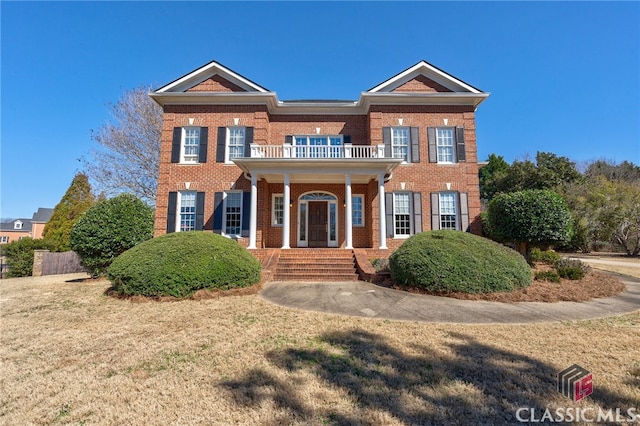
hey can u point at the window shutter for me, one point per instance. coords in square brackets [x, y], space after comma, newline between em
[417, 212]
[246, 212]
[199, 211]
[464, 211]
[204, 142]
[288, 140]
[386, 139]
[248, 140]
[176, 144]
[221, 145]
[461, 156]
[433, 152]
[435, 211]
[388, 201]
[217, 212]
[171, 212]
[415, 144]
[346, 138]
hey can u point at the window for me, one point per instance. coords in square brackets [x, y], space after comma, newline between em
[402, 214]
[17, 224]
[235, 143]
[232, 213]
[190, 144]
[400, 142]
[4, 239]
[318, 146]
[277, 209]
[448, 211]
[357, 210]
[445, 143]
[187, 209]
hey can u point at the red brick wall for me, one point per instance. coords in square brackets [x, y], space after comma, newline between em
[216, 84]
[421, 84]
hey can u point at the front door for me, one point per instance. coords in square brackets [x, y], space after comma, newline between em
[318, 225]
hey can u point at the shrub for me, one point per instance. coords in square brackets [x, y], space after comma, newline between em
[572, 269]
[551, 276]
[548, 257]
[447, 261]
[380, 264]
[110, 228]
[180, 263]
[19, 255]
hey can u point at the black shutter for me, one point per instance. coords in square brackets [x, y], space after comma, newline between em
[435, 211]
[217, 212]
[386, 139]
[176, 144]
[461, 156]
[346, 139]
[246, 213]
[415, 144]
[417, 212]
[248, 140]
[431, 137]
[199, 211]
[464, 211]
[171, 212]
[221, 145]
[204, 142]
[288, 140]
[388, 198]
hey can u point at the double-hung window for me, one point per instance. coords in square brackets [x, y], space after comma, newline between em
[235, 143]
[448, 211]
[400, 142]
[445, 142]
[4, 239]
[357, 210]
[402, 214]
[187, 211]
[190, 144]
[318, 146]
[233, 213]
[277, 218]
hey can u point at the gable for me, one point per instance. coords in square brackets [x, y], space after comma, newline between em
[216, 83]
[422, 84]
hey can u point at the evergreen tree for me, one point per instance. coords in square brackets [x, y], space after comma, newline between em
[77, 200]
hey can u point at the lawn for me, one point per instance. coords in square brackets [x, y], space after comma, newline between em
[72, 355]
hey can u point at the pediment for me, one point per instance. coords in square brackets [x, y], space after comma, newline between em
[212, 77]
[423, 78]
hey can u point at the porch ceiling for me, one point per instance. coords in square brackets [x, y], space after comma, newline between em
[317, 170]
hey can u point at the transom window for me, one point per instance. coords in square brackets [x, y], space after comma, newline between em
[191, 144]
[233, 213]
[444, 141]
[448, 213]
[318, 146]
[187, 211]
[400, 142]
[357, 210]
[236, 140]
[402, 214]
[278, 210]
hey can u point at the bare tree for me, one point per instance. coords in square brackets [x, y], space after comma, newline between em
[127, 154]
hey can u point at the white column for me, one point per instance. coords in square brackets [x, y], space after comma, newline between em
[253, 219]
[287, 212]
[383, 217]
[348, 221]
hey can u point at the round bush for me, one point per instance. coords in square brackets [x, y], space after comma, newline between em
[108, 229]
[180, 263]
[454, 261]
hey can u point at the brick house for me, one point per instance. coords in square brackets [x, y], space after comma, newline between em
[367, 174]
[18, 229]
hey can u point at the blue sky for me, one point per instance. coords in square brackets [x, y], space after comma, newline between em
[563, 77]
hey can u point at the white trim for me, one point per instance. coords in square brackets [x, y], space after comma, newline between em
[453, 145]
[227, 141]
[183, 140]
[410, 205]
[207, 71]
[224, 212]
[334, 202]
[273, 210]
[408, 129]
[18, 224]
[456, 209]
[363, 210]
[178, 228]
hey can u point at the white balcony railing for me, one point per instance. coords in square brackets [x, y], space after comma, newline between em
[317, 151]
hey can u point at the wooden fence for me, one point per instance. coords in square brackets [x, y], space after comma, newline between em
[46, 263]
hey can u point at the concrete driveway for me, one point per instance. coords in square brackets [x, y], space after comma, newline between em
[368, 300]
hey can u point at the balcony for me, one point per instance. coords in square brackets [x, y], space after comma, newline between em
[318, 151]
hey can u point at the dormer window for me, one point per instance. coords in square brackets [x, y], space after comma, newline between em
[17, 224]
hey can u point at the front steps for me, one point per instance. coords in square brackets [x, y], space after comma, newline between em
[315, 265]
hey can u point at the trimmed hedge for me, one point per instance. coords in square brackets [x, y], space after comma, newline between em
[181, 263]
[454, 261]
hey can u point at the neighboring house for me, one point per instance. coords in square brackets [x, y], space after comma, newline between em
[369, 173]
[17, 229]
